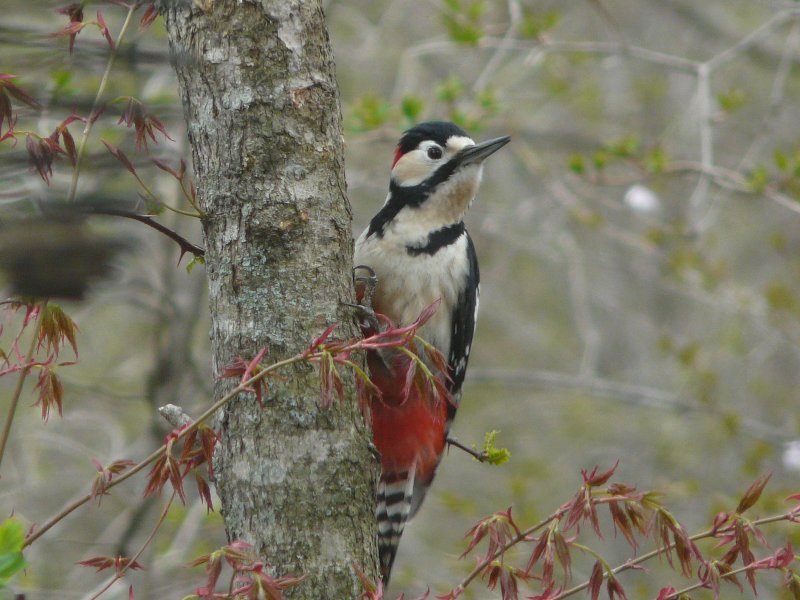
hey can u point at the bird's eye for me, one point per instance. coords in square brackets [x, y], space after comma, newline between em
[434, 153]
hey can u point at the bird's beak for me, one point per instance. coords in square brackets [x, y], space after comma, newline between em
[478, 153]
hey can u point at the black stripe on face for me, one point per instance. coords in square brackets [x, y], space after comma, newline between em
[401, 196]
[437, 240]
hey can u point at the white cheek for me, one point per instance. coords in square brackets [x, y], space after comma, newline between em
[412, 169]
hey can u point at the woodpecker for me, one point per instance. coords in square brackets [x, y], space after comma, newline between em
[420, 252]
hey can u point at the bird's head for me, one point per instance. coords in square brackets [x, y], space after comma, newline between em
[436, 171]
[435, 151]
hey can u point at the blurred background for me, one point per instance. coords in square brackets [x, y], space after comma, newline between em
[638, 243]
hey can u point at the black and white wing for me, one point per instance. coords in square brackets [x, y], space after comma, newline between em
[465, 315]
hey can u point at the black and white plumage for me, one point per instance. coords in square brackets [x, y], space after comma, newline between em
[421, 252]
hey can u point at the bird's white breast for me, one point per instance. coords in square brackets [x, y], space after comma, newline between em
[408, 284]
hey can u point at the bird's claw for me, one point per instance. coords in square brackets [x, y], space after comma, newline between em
[367, 317]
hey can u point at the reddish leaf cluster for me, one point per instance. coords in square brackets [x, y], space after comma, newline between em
[197, 450]
[187, 186]
[388, 336]
[121, 157]
[101, 23]
[246, 370]
[105, 475]
[76, 24]
[628, 512]
[148, 17]
[75, 14]
[144, 124]
[118, 563]
[54, 330]
[9, 90]
[735, 532]
[501, 531]
[633, 514]
[498, 528]
[51, 391]
[249, 579]
[331, 354]
[42, 152]
[374, 590]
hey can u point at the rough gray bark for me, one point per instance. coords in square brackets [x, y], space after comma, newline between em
[259, 93]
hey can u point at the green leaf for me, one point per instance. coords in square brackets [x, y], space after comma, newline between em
[779, 296]
[600, 159]
[462, 19]
[370, 112]
[731, 100]
[655, 161]
[781, 160]
[494, 455]
[534, 24]
[487, 100]
[624, 147]
[576, 164]
[411, 106]
[196, 260]
[758, 179]
[450, 90]
[12, 538]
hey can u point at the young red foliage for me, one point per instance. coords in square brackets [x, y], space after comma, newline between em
[143, 123]
[75, 13]
[548, 593]
[17, 92]
[55, 328]
[177, 174]
[239, 367]
[753, 493]
[198, 449]
[101, 23]
[615, 589]
[372, 590]
[105, 475]
[666, 592]
[251, 580]
[120, 156]
[41, 154]
[506, 576]
[499, 527]
[118, 563]
[596, 580]
[51, 391]
[149, 16]
[166, 468]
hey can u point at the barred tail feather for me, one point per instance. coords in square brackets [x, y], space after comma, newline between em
[395, 491]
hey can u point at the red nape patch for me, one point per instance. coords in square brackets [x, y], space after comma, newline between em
[397, 154]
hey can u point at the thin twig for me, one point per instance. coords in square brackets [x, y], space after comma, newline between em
[479, 456]
[133, 559]
[26, 367]
[100, 90]
[185, 245]
[242, 387]
[752, 38]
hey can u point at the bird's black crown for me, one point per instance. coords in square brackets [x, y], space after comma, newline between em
[438, 131]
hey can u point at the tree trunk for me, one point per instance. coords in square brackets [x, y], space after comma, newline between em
[260, 97]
